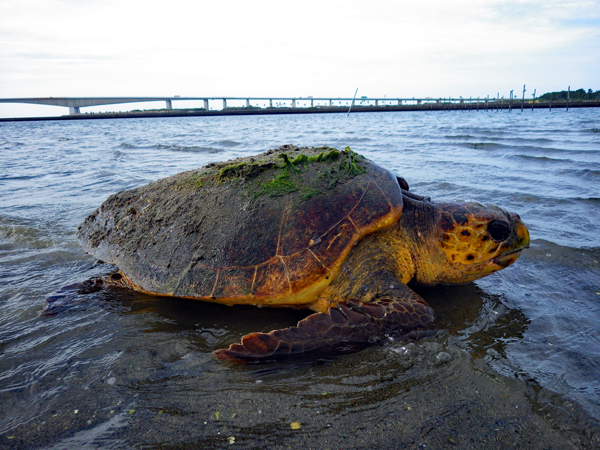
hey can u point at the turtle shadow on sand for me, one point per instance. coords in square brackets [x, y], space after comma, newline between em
[479, 318]
[306, 228]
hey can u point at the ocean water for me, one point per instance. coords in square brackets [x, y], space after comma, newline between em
[520, 348]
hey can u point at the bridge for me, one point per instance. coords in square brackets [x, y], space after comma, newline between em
[287, 105]
[76, 103]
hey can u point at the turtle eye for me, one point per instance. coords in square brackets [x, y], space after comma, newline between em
[499, 230]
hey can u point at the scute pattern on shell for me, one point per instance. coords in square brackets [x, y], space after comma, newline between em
[195, 235]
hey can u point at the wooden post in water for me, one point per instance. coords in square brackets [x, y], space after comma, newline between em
[523, 101]
[533, 102]
[510, 102]
[351, 104]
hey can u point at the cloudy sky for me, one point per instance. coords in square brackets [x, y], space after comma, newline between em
[328, 48]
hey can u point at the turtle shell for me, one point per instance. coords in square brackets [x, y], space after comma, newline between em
[272, 229]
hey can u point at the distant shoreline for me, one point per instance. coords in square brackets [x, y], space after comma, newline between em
[516, 105]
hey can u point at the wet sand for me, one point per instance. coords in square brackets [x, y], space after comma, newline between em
[482, 411]
[430, 394]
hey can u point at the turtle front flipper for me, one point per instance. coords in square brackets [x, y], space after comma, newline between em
[349, 325]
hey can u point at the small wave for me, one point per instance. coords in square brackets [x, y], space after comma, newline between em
[65, 139]
[309, 132]
[20, 177]
[190, 149]
[117, 154]
[564, 151]
[584, 174]
[529, 139]
[481, 131]
[594, 201]
[541, 159]
[20, 234]
[527, 148]
[482, 145]
[458, 136]
[126, 145]
[365, 139]
[445, 186]
[594, 130]
[227, 143]
[7, 144]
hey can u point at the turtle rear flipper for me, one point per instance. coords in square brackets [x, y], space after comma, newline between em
[67, 295]
[349, 325]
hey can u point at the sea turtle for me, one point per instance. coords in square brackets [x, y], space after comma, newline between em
[312, 228]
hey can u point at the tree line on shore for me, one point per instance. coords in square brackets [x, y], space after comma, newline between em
[579, 94]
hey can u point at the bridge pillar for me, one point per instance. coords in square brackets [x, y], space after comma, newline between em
[224, 103]
[293, 103]
[399, 102]
[206, 104]
[247, 103]
[74, 110]
[330, 102]
[270, 103]
[376, 102]
[169, 104]
[312, 104]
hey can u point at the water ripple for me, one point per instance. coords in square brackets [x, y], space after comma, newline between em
[116, 364]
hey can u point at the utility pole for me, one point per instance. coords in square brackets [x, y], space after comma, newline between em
[510, 101]
[533, 102]
[568, 96]
[523, 101]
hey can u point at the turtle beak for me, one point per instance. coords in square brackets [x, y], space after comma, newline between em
[521, 242]
[506, 259]
[522, 232]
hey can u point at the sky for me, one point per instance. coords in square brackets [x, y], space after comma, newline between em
[324, 48]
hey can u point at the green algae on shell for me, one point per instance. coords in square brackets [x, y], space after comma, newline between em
[282, 171]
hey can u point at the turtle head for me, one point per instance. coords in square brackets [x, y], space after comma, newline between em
[471, 241]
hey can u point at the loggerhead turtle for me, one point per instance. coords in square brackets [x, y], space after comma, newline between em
[296, 227]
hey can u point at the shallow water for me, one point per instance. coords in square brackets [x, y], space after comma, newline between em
[520, 350]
